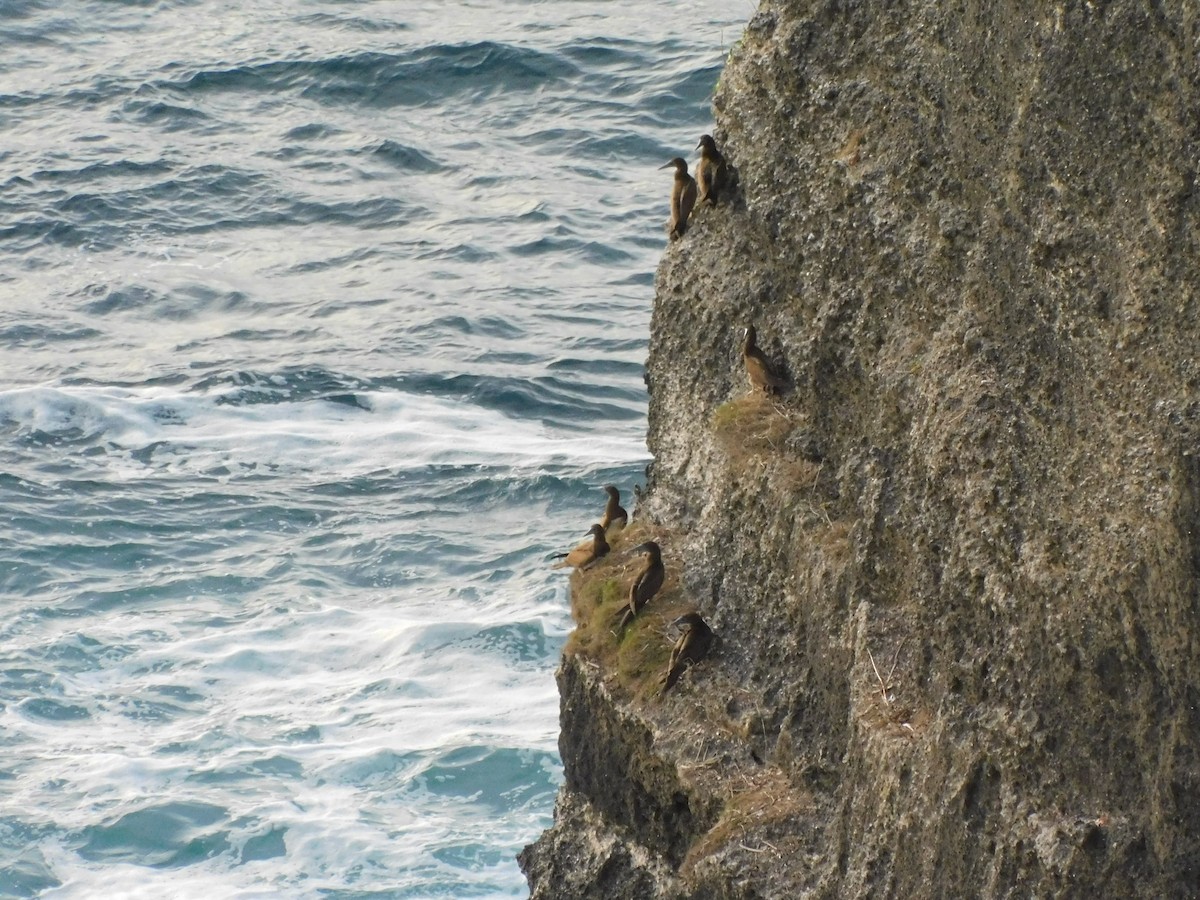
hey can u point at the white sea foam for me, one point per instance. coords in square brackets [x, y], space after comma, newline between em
[388, 431]
[363, 769]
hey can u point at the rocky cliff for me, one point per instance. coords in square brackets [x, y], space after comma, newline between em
[954, 567]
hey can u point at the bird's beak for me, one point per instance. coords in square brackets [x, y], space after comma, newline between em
[665, 166]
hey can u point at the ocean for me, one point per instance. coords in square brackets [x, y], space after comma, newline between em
[322, 325]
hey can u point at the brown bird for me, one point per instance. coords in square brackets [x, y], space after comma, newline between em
[647, 583]
[760, 372]
[584, 555]
[693, 645]
[683, 198]
[615, 518]
[712, 174]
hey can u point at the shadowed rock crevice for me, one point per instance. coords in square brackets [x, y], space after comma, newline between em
[954, 565]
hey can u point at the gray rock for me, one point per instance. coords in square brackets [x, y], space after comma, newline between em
[955, 567]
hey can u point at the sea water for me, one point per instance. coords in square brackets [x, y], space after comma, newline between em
[322, 325]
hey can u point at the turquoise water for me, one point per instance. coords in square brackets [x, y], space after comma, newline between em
[321, 325]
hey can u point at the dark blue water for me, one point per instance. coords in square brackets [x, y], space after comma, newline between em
[321, 326]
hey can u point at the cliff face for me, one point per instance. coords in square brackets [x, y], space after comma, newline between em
[955, 567]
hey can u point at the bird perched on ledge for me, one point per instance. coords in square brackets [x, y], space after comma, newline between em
[760, 372]
[615, 518]
[683, 198]
[712, 174]
[584, 555]
[693, 645]
[647, 583]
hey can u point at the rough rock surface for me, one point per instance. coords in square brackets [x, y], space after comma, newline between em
[954, 568]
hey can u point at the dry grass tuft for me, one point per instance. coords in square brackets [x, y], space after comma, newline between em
[752, 424]
[887, 711]
[897, 720]
[751, 808]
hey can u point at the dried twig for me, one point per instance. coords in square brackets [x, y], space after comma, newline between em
[705, 763]
[821, 509]
[882, 685]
